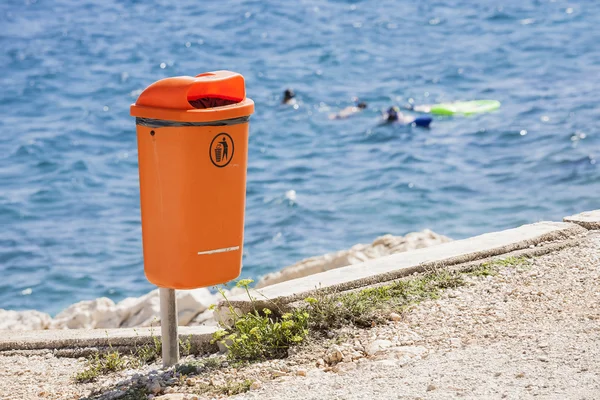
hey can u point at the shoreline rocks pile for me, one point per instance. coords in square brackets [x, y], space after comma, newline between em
[193, 305]
[382, 246]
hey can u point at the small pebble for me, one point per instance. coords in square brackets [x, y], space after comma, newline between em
[255, 385]
[155, 388]
[395, 317]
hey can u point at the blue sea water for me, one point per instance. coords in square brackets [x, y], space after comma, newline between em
[69, 205]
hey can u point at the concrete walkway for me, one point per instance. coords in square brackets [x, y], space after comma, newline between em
[76, 342]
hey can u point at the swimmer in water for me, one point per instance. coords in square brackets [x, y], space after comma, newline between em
[289, 97]
[393, 115]
[349, 111]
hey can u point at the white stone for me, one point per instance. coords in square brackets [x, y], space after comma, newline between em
[172, 396]
[343, 367]
[587, 219]
[225, 316]
[23, 320]
[377, 346]
[395, 317]
[99, 313]
[143, 311]
[407, 351]
[190, 303]
[386, 363]
[382, 246]
[206, 318]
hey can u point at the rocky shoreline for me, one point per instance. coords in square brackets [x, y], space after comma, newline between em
[193, 305]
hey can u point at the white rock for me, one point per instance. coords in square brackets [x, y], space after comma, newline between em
[172, 396]
[143, 311]
[23, 320]
[190, 303]
[382, 246]
[89, 314]
[377, 346]
[407, 351]
[206, 318]
[386, 363]
[225, 316]
[343, 367]
[124, 307]
[395, 317]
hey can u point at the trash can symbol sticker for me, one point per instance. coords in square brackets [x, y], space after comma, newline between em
[221, 150]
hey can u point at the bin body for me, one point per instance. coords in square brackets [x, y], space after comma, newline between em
[192, 166]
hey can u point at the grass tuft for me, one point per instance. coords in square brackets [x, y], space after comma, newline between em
[135, 393]
[100, 364]
[231, 388]
[491, 268]
[199, 366]
[147, 353]
[368, 306]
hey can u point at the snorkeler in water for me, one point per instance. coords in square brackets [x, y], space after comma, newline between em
[349, 111]
[393, 115]
[289, 97]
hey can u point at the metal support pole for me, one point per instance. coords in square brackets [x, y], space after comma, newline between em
[168, 327]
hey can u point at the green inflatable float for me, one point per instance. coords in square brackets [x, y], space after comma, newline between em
[458, 107]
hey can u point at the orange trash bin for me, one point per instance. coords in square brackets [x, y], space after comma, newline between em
[192, 137]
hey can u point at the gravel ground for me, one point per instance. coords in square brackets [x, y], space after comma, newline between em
[529, 332]
[532, 331]
[39, 377]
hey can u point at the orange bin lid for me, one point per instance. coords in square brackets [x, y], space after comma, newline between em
[169, 99]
